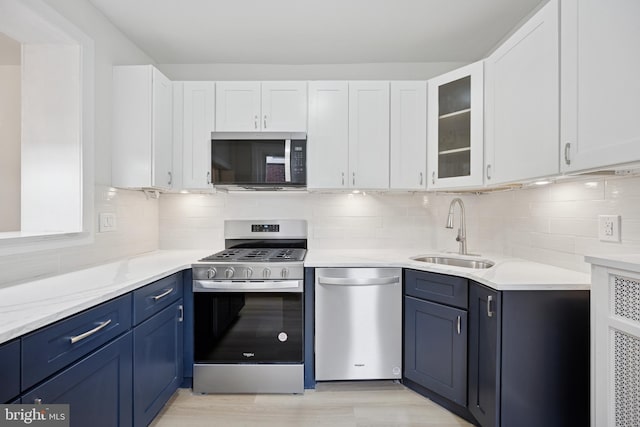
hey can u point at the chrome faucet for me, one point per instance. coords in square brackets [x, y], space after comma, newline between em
[462, 232]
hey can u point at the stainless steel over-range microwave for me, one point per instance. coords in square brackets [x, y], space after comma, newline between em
[245, 160]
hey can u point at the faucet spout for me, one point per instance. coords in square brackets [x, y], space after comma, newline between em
[462, 231]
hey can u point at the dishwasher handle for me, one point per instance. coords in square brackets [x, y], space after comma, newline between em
[354, 281]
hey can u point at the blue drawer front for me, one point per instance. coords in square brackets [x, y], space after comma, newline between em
[98, 388]
[50, 349]
[436, 287]
[9, 370]
[155, 297]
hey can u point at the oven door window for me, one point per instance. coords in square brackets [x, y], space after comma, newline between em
[248, 327]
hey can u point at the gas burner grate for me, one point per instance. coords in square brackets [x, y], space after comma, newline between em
[258, 255]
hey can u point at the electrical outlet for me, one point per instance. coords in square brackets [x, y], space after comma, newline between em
[107, 222]
[609, 228]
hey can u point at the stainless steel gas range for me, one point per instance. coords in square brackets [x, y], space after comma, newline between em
[249, 310]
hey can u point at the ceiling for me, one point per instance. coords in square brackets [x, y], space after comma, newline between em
[315, 31]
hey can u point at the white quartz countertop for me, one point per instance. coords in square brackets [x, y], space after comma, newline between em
[629, 262]
[28, 306]
[507, 274]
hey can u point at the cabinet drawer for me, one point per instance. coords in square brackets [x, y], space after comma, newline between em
[54, 347]
[97, 388]
[435, 287]
[9, 370]
[156, 296]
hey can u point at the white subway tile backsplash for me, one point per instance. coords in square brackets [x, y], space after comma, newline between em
[138, 232]
[554, 224]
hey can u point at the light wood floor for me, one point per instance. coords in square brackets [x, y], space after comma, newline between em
[363, 403]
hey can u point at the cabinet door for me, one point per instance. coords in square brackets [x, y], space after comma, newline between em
[237, 106]
[328, 135]
[484, 355]
[162, 147]
[408, 130]
[284, 106]
[198, 119]
[157, 362]
[436, 348]
[369, 135]
[97, 388]
[9, 370]
[455, 128]
[599, 83]
[522, 104]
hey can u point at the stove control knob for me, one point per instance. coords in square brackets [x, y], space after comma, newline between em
[266, 273]
[284, 273]
[228, 273]
[211, 273]
[248, 273]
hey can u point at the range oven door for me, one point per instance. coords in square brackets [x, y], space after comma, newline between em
[248, 327]
[258, 160]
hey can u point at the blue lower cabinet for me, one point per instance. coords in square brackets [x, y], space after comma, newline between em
[157, 362]
[98, 387]
[9, 370]
[436, 348]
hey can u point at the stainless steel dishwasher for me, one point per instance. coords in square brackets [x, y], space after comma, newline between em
[358, 323]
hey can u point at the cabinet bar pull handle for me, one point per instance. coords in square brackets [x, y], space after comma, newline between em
[488, 171]
[567, 152]
[265, 121]
[162, 295]
[255, 122]
[459, 320]
[181, 309]
[170, 178]
[342, 178]
[91, 332]
[489, 312]
[209, 177]
[353, 178]
[420, 178]
[433, 177]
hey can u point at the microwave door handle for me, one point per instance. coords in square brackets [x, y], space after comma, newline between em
[287, 160]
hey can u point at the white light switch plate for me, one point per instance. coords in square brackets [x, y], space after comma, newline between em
[107, 222]
[609, 228]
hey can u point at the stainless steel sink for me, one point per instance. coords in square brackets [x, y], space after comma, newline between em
[457, 262]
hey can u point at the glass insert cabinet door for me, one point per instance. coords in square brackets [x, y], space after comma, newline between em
[455, 128]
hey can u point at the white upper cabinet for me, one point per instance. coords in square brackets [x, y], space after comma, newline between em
[284, 106]
[255, 107]
[142, 128]
[455, 128]
[600, 98]
[408, 135]
[522, 121]
[196, 118]
[369, 135]
[348, 138]
[328, 135]
[237, 106]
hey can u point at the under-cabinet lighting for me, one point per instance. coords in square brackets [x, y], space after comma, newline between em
[543, 182]
[184, 192]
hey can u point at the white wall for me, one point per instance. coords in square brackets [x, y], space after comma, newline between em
[10, 147]
[379, 71]
[556, 224]
[137, 217]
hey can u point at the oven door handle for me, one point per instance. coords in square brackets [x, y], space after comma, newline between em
[211, 286]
